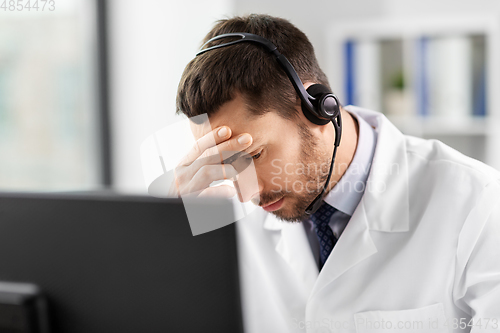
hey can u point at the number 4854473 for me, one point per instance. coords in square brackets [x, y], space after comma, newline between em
[28, 5]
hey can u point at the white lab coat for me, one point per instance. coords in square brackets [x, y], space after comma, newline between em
[421, 252]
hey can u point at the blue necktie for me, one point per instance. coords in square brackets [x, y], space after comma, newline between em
[326, 239]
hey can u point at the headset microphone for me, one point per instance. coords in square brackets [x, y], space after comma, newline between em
[319, 105]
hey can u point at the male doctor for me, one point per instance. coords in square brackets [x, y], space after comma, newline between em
[406, 235]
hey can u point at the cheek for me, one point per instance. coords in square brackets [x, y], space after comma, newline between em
[283, 165]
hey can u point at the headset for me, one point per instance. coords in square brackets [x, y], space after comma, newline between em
[319, 104]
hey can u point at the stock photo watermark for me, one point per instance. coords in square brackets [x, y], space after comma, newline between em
[309, 177]
[328, 325]
[27, 5]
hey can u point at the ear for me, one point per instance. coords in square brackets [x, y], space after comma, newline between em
[307, 84]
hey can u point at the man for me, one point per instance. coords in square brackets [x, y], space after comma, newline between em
[412, 232]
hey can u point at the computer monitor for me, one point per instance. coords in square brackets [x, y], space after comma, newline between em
[114, 263]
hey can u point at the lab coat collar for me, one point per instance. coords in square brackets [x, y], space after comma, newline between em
[386, 195]
[271, 222]
[291, 247]
[353, 246]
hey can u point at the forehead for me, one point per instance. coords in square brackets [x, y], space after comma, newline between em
[236, 116]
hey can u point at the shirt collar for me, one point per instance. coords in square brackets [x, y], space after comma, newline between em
[347, 193]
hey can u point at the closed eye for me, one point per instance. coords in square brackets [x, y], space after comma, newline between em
[256, 156]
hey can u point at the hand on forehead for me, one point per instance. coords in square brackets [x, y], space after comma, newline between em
[232, 114]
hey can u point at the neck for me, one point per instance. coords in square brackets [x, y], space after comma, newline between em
[346, 149]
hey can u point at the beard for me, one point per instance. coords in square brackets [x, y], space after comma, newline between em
[312, 182]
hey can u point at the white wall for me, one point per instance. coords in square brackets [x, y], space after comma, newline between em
[150, 43]
[312, 17]
[441, 7]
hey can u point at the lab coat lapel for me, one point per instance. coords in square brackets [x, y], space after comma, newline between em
[353, 246]
[293, 246]
[387, 183]
[386, 196]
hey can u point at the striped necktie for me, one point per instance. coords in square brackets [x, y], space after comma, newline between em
[326, 239]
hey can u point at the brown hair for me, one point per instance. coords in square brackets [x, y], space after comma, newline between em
[215, 77]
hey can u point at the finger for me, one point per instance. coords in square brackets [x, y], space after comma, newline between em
[227, 148]
[226, 152]
[210, 139]
[225, 157]
[208, 174]
[224, 191]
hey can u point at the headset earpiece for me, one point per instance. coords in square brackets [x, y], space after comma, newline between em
[326, 105]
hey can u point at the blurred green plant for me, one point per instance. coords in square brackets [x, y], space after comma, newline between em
[398, 80]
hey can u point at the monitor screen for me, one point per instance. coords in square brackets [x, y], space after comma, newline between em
[115, 263]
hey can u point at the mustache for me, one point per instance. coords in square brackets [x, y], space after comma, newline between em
[267, 198]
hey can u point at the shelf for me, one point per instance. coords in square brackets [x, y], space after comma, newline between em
[409, 69]
[434, 125]
[413, 27]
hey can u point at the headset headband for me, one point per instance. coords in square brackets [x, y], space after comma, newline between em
[282, 60]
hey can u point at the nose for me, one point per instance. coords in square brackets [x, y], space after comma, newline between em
[255, 199]
[248, 186]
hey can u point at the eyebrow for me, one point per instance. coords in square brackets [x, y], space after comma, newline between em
[253, 148]
[232, 158]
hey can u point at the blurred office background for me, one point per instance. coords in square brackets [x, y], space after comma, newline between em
[82, 85]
